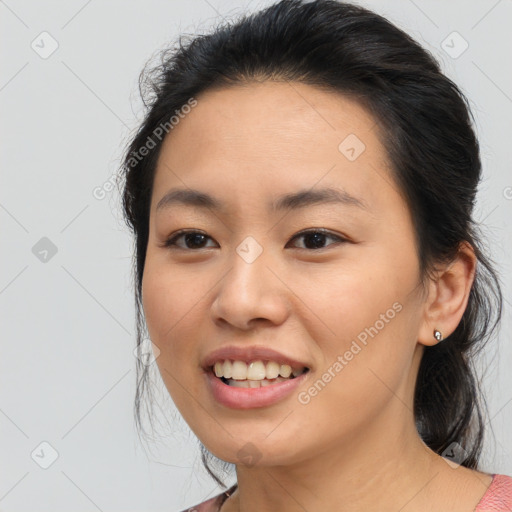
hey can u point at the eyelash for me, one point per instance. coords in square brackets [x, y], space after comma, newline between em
[170, 243]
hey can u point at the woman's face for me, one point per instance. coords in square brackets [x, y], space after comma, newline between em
[346, 304]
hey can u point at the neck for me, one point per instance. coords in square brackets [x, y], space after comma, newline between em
[380, 468]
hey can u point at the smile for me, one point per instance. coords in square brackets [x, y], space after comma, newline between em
[249, 387]
[255, 374]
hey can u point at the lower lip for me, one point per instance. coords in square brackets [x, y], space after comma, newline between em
[248, 398]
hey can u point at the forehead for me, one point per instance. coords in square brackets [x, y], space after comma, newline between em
[262, 111]
[272, 136]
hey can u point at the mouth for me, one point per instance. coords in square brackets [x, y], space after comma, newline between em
[256, 374]
[252, 389]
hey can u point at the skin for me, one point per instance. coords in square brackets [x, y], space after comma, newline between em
[354, 446]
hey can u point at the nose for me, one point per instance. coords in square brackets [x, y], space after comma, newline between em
[251, 293]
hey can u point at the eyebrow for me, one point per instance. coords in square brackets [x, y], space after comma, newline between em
[293, 201]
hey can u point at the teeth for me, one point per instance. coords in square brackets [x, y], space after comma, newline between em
[255, 371]
[272, 370]
[285, 370]
[227, 369]
[239, 370]
[254, 383]
[217, 368]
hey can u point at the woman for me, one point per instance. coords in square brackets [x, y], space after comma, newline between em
[301, 192]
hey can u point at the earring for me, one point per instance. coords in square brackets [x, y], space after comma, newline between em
[438, 335]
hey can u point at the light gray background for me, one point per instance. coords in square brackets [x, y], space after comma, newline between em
[67, 367]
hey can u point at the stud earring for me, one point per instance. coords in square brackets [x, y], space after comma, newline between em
[438, 335]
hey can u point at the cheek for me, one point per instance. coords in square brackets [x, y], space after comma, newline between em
[368, 325]
[345, 300]
[155, 303]
[170, 305]
[169, 312]
[169, 298]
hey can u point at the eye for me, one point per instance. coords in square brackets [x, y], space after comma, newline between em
[196, 239]
[315, 238]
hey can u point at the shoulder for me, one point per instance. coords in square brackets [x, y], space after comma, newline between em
[213, 504]
[498, 497]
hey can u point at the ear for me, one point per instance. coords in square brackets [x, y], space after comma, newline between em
[448, 295]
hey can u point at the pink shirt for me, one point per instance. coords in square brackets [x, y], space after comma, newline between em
[498, 498]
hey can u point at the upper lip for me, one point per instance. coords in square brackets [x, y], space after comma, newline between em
[248, 354]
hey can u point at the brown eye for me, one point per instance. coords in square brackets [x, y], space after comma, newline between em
[192, 240]
[314, 239]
